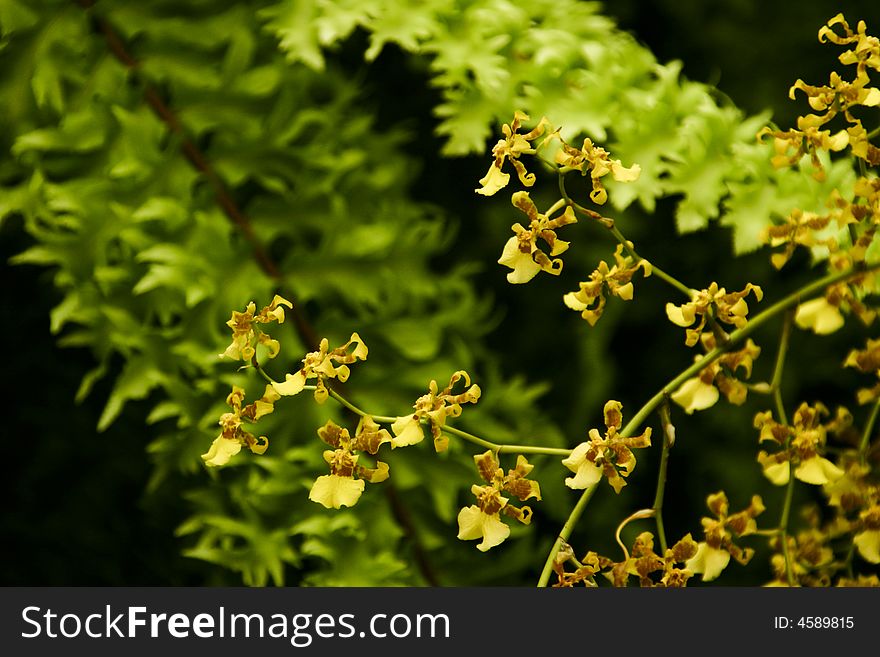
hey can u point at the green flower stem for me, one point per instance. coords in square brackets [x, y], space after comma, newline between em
[776, 387]
[655, 271]
[388, 419]
[565, 533]
[864, 443]
[506, 449]
[853, 234]
[738, 336]
[783, 530]
[848, 561]
[674, 282]
[495, 447]
[863, 168]
[256, 365]
[627, 245]
[652, 404]
[776, 381]
[866, 435]
[668, 440]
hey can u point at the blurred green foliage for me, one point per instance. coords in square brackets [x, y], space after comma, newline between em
[351, 136]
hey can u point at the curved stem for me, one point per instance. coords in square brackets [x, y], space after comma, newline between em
[776, 381]
[638, 515]
[565, 533]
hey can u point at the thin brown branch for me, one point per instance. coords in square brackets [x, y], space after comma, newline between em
[203, 165]
[238, 217]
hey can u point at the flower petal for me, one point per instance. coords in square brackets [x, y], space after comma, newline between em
[709, 561]
[868, 544]
[293, 384]
[586, 473]
[494, 180]
[469, 525]
[578, 454]
[523, 266]
[473, 523]
[680, 315]
[817, 471]
[407, 431]
[622, 174]
[494, 532]
[360, 351]
[778, 473]
[694, 395]
[222, 449]
[374, 475]
[819, 316]
[571, 300]
[334, 491]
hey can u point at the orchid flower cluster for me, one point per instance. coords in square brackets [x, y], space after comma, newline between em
[846, 232]
[838, 97]
[721, 322]
[677, 564]
[352, 460]
[327, 367]
[652, 570]
[482, 520]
